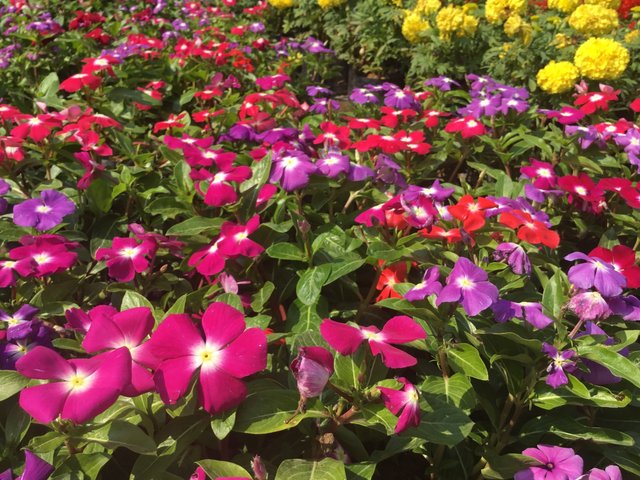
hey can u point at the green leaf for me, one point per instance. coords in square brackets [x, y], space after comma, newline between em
[223, 423]
[120, 433]
[311, 282]
[554, 296]
[81, 466]
[271, 409]
[286, 251]
[129, 96]
[327, 469]
[447, 425]
[455, 390]
[464, 358]
[218, 468]
[263, 295]
[548, 398]
[49, 86]
[303, 318]
[341, 268]
[616, 363]
[504, 467]
[196, 225]
[99, 195]
[570, 429]
[133, 299]
[360, 471]
[11, 382]
[167, 207]
[46, 443]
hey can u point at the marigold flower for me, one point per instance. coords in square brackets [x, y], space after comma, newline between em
[593, 20]
[601, 59]
[557, 77]
[413, 25]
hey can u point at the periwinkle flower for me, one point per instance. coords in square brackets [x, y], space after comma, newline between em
[556, 463]
[468, 284]
[292, 170]
[312, 368]
[515, 256]
[560, 362]
[45, 212]
[35, 468]
[590, 306]
[429, 286]
[403, 403]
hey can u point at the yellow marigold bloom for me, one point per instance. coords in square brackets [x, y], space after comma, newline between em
[330, 3]
[566, 6]
[562, 41]
[413, 25]
[427, 7]
[601, 59]
[499, 10]
[614, 4]
[281, 3]
[449, 21]
[469, 7]
[632, 36]
[513, 25]
[557, 77]
[469, 26]
[593, 19]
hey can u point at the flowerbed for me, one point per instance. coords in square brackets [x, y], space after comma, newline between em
[213, 265]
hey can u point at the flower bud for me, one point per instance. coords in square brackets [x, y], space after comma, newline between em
[312, 368]
[259, 470]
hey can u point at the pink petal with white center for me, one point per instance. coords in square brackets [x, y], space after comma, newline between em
[222, 324]
[402, 329]
[121, 269]
[141, 381]
[220, 194]
[219, 391]
[135, 324]
[173, 376]
[393, 399]
[44, 363]
[392, 357]
[144, 356]
[103, 334]
[44, 402]
[410, 417]
[246, 355]
[176, 337]
[343, 338]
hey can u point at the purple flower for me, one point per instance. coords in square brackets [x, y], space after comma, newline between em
[589, 306]
[362, 96]
[291, 169]
[628, 307]
[598, 374]
[312, 368]
[515, 256]
[12, 351]
[468, 284]
[313, 45]
[4, 188]
[315, 90]
[482, 106]
[34, 469]
[612, 472]
[44, 212]
[388, 171]
[359, 173]
[513, 103]
[596, 273]
[420, 212]
[442, 83]
[531, 312]
[19, 324]
[557, 463]
[322, 105]
[434, 192]
[560, 361]
[428, 286]
[401, 99]
[257, 27]
[333, 163]
[631, 143]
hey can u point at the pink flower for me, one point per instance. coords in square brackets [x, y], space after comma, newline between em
[126, 329]
[234, 239]
[312, 368]
[81, 388]
[406, 400]
[81, 321]
[209, 260]
[227, 353]
[221, 192]
[346, 339]
[126, 257]
[43, 255]
[556, 463]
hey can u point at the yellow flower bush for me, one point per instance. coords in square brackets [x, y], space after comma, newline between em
[601, 59]
[330, 3]
[469, 25]
[499, 10]
[566, 6]
[427, 7]
[557, 77]
[413, 25]
[449, 20]
[593, 19]
[281, 3]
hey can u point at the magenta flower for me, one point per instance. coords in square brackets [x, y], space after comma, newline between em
[81, 321]
[346, 339]
[557, 463]
[612, 472]
[45, 212]
[597, 273]
[221, 192]
[227, 353]
[234, 239]
[515, 256]
[43, 255]
[208, 261]
[34, 469]
[590, 306]
[81, 388]
[406, 400]
[467, 283]
[128, 329]
[333, 163]
[428, 286]
[126, 257]
[560, 361]
[312, 368]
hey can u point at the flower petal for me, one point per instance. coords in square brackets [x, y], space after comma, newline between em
[176, 337]
[44, 402]
[343, 338]
[44, 363]
[135, 324]
[402, 329]
[246, 355]
[222, 324]
[392, 357]
[219, 391]
[173, 376]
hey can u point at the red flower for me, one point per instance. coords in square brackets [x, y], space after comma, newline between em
[36, 128]
[635, 105]
[391, 275]
[591, 101]
[439, 233]
[333, 135]
[172, 122]
[532, 231]
[79, 80]
[468, 126]
[470, 212]
[583, 189]
[624, 261]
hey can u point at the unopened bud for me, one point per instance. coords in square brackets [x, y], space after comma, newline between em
[259, 470]
[312, 368]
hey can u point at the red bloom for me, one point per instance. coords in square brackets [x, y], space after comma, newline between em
[631, 196]
[583, 189]
[333, 135]
[36, 128]
[532, 231]
[439, 233]
[391, 275]
[635, 105]
[79, 80]
[624, 261]
[470, 212]
[172, 122]
[468, 126]
[591, 101]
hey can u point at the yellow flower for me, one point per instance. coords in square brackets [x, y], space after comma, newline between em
[281, 3]
[426, 7]
[469, 7]
[413, 25]
[601, 59]
[330, 3]
[566, 6]
[632, 36]
[594, 19]
[513, 25]
[499, 10]
[557, 77]
[469, 26]
[614, 4]
[449, 20]
[562, 41]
